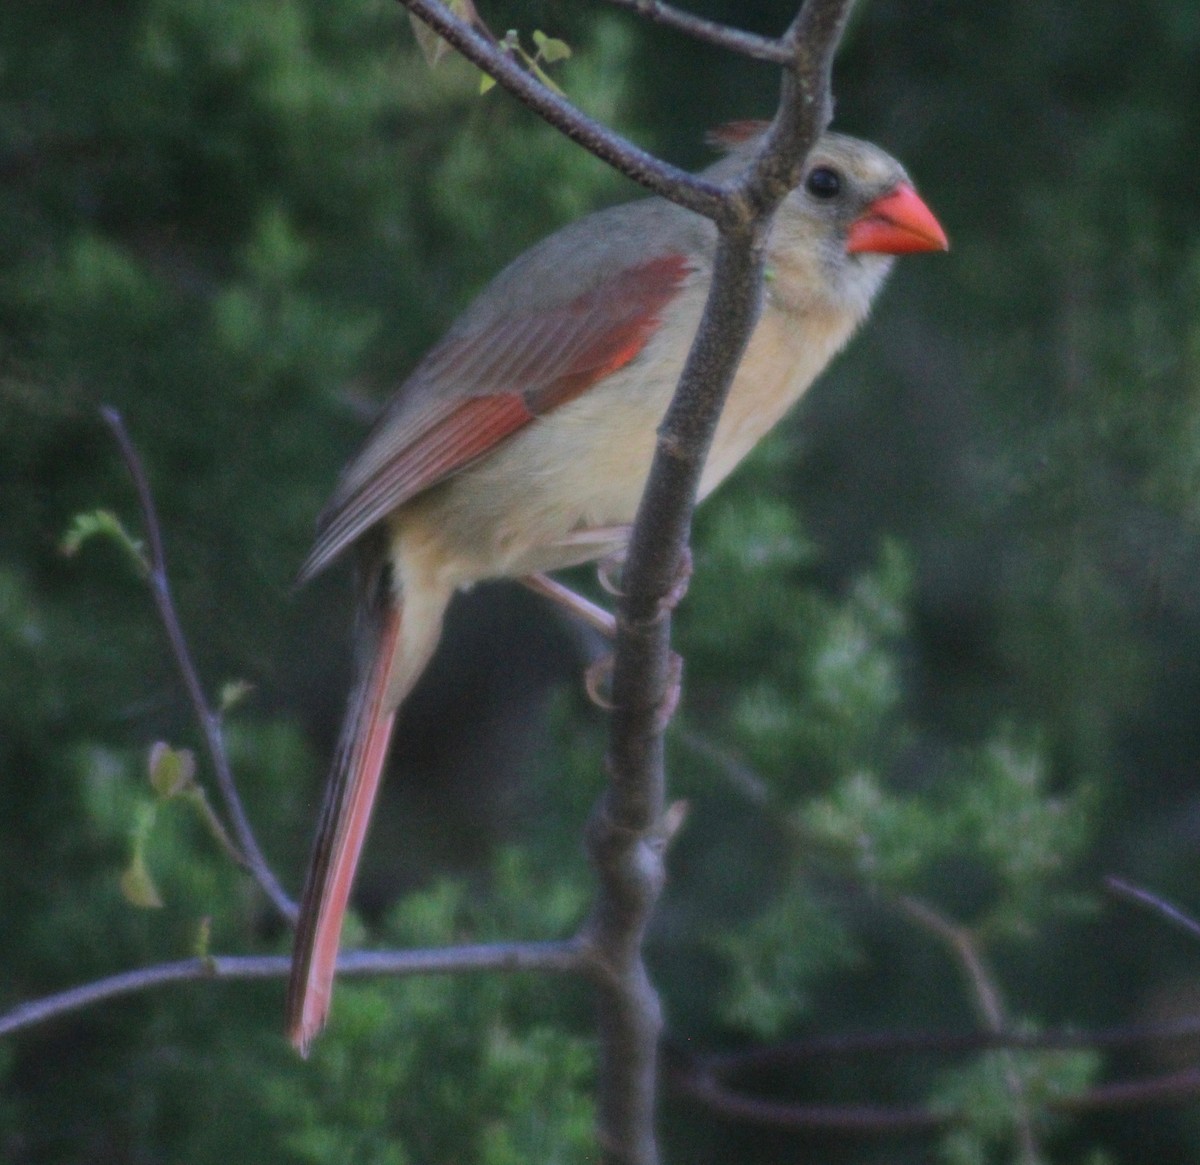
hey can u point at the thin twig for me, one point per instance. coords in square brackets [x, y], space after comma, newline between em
[782, 1056]
[852, 1119]
[740, 776]
[704, 1077]
[251, 857]
[861, 1119]
[620, 153]
[734, 40]
[1120, 888]
[563, 957]
[990, 1006]
[1174, 1088]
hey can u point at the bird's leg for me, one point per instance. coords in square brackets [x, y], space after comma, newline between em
[599, 673]
[588, 544]
[596, 536]
[591, 613]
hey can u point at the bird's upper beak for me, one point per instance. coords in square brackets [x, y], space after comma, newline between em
[897, 223]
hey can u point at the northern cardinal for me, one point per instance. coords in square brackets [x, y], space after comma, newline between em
[521, 443]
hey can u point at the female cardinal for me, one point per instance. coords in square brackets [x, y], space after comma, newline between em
[522, 442]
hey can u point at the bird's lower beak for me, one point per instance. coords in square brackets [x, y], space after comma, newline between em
[897, 223]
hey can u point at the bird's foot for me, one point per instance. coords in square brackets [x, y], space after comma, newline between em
[609, 569]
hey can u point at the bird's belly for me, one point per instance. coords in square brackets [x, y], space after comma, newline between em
[780, 364]
[584, 465]
[581, 467]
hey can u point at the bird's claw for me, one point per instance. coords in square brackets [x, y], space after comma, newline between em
[597, 682]
[679, 588]
[672, 693]
[608, 572]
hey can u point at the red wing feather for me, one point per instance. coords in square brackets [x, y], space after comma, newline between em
[630, 304]
[481, 387]
[449, 443]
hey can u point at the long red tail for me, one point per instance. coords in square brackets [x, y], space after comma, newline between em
[343, 826]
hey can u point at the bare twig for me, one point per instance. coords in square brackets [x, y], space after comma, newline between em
[990, 1006]
[781, 1056]
[705, 1078]
[1120, 888]
[620, 153]
[564, 957]
[734, 40]
[860, 1119]
[1175, 1088]
[851, 1119]
[250, 856]
[739, 775]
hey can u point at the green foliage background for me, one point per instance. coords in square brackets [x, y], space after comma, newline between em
[941, 642]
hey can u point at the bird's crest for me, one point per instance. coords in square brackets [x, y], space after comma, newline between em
[732, 135]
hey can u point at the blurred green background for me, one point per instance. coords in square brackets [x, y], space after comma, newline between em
[942, 642]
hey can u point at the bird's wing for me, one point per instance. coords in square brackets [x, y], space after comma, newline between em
[480, 387]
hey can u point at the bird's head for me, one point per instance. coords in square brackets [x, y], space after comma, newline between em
[837, 233]
[853, 211]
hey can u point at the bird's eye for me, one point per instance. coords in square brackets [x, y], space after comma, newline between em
[824, 183]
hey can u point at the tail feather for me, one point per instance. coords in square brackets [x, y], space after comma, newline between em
[345, 816]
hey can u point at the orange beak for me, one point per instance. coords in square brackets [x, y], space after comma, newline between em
[898, 223]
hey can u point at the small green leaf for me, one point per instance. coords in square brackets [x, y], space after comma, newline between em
[137, 886]
[486, 83]
[233, 693]
[550, 48]
[103, 524]
[171, 770]
[202, 947]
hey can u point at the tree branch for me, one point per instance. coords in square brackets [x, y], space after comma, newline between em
[620, 153]
[783, 1056]
[703, 1078]
[988, 1002]
[874, 1120]
[563, 957]
[625, 841]
[250, 856]
[1120, 888]
[734, 40]
[861, 1119]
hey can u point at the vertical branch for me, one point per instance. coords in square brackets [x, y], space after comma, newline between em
[626, 840]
